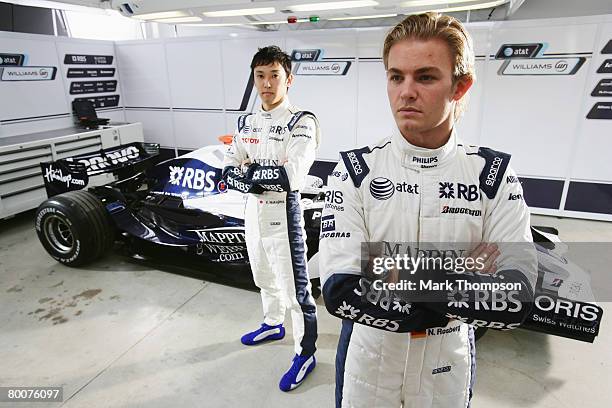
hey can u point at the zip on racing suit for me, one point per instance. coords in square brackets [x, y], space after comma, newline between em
[281, 145]
[393, 352]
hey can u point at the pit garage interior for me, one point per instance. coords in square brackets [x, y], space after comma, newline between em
[140, 329]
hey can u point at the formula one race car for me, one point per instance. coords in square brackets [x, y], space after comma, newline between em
[180, 210]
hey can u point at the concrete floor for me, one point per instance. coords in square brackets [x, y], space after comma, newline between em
[118, 334]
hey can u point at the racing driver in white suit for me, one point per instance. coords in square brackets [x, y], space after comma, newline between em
[421, 185]
[270, 156]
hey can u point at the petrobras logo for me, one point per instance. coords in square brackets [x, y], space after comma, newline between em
[328, 223]
[382, 188]
[196, 179]
[111, 158]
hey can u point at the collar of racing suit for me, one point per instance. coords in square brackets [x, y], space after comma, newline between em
[416, 157]
[277, 112]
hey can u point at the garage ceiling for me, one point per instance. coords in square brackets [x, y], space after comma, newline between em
[309, 14]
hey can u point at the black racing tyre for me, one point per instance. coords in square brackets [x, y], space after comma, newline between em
[479, 332]
[74, 227]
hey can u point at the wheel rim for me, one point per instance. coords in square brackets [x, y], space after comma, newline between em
[58, 234]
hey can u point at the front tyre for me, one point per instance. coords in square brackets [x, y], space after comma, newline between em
[74, 227]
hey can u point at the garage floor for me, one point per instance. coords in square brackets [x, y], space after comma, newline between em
[118, 334]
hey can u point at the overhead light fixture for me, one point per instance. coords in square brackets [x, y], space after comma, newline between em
[240, 12]
[362, 17]
[164, 14]
[334, 5]
[489, 4]
[218, 25]
[299, 20]
[179, 20]
[422, 3]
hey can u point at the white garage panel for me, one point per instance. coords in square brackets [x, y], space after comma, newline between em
[45, 97]
[333, 98]
[197, 129]
[237, 56]
[196, 74]
[142, 68]
[594, 142]
[157, 125]
[530, 115]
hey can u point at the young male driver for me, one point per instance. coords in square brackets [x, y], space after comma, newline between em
[269, 159]
[421, 185]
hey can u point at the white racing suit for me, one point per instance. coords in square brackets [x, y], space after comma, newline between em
[282, 144]
[393, 352]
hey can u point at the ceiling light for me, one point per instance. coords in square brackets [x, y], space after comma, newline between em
[335, 5]
[240, 12]
[420, 3]
[299, 20]
[362, 17]
[218, 25]
[472, 6]
[180, 20]
[165, 14]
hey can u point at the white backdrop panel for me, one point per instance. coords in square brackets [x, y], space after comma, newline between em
[594, 142]
[332, 98]
[156, 126]
[195, 72]
[198, 129]
[535, 111]
[87, 48]
[142, 68]
[21, 99]
[237, 56]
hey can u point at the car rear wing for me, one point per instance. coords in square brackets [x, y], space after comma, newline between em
[74, 173]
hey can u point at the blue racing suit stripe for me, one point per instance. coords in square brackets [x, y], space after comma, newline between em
[341, 353]
[301, 280]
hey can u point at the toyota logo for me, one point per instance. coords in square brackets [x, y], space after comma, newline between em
[381, 188]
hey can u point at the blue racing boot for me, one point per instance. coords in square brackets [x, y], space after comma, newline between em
[300, 368]
[264, 333]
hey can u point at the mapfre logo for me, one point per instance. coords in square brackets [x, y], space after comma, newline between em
[196, 179]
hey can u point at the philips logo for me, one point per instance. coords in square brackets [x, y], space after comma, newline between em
[382, 188]
[424, 160]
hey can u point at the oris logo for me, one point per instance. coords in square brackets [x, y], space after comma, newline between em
[382, 188]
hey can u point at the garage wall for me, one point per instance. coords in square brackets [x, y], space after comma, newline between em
[44, 102]
[550, 108]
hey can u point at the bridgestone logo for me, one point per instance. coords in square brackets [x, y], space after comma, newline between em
[460, 210]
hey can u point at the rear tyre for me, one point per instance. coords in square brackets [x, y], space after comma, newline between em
[74, 227]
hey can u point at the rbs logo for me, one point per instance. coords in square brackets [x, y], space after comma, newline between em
[196, 179]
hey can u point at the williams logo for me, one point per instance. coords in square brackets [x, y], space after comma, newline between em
[542, 66]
